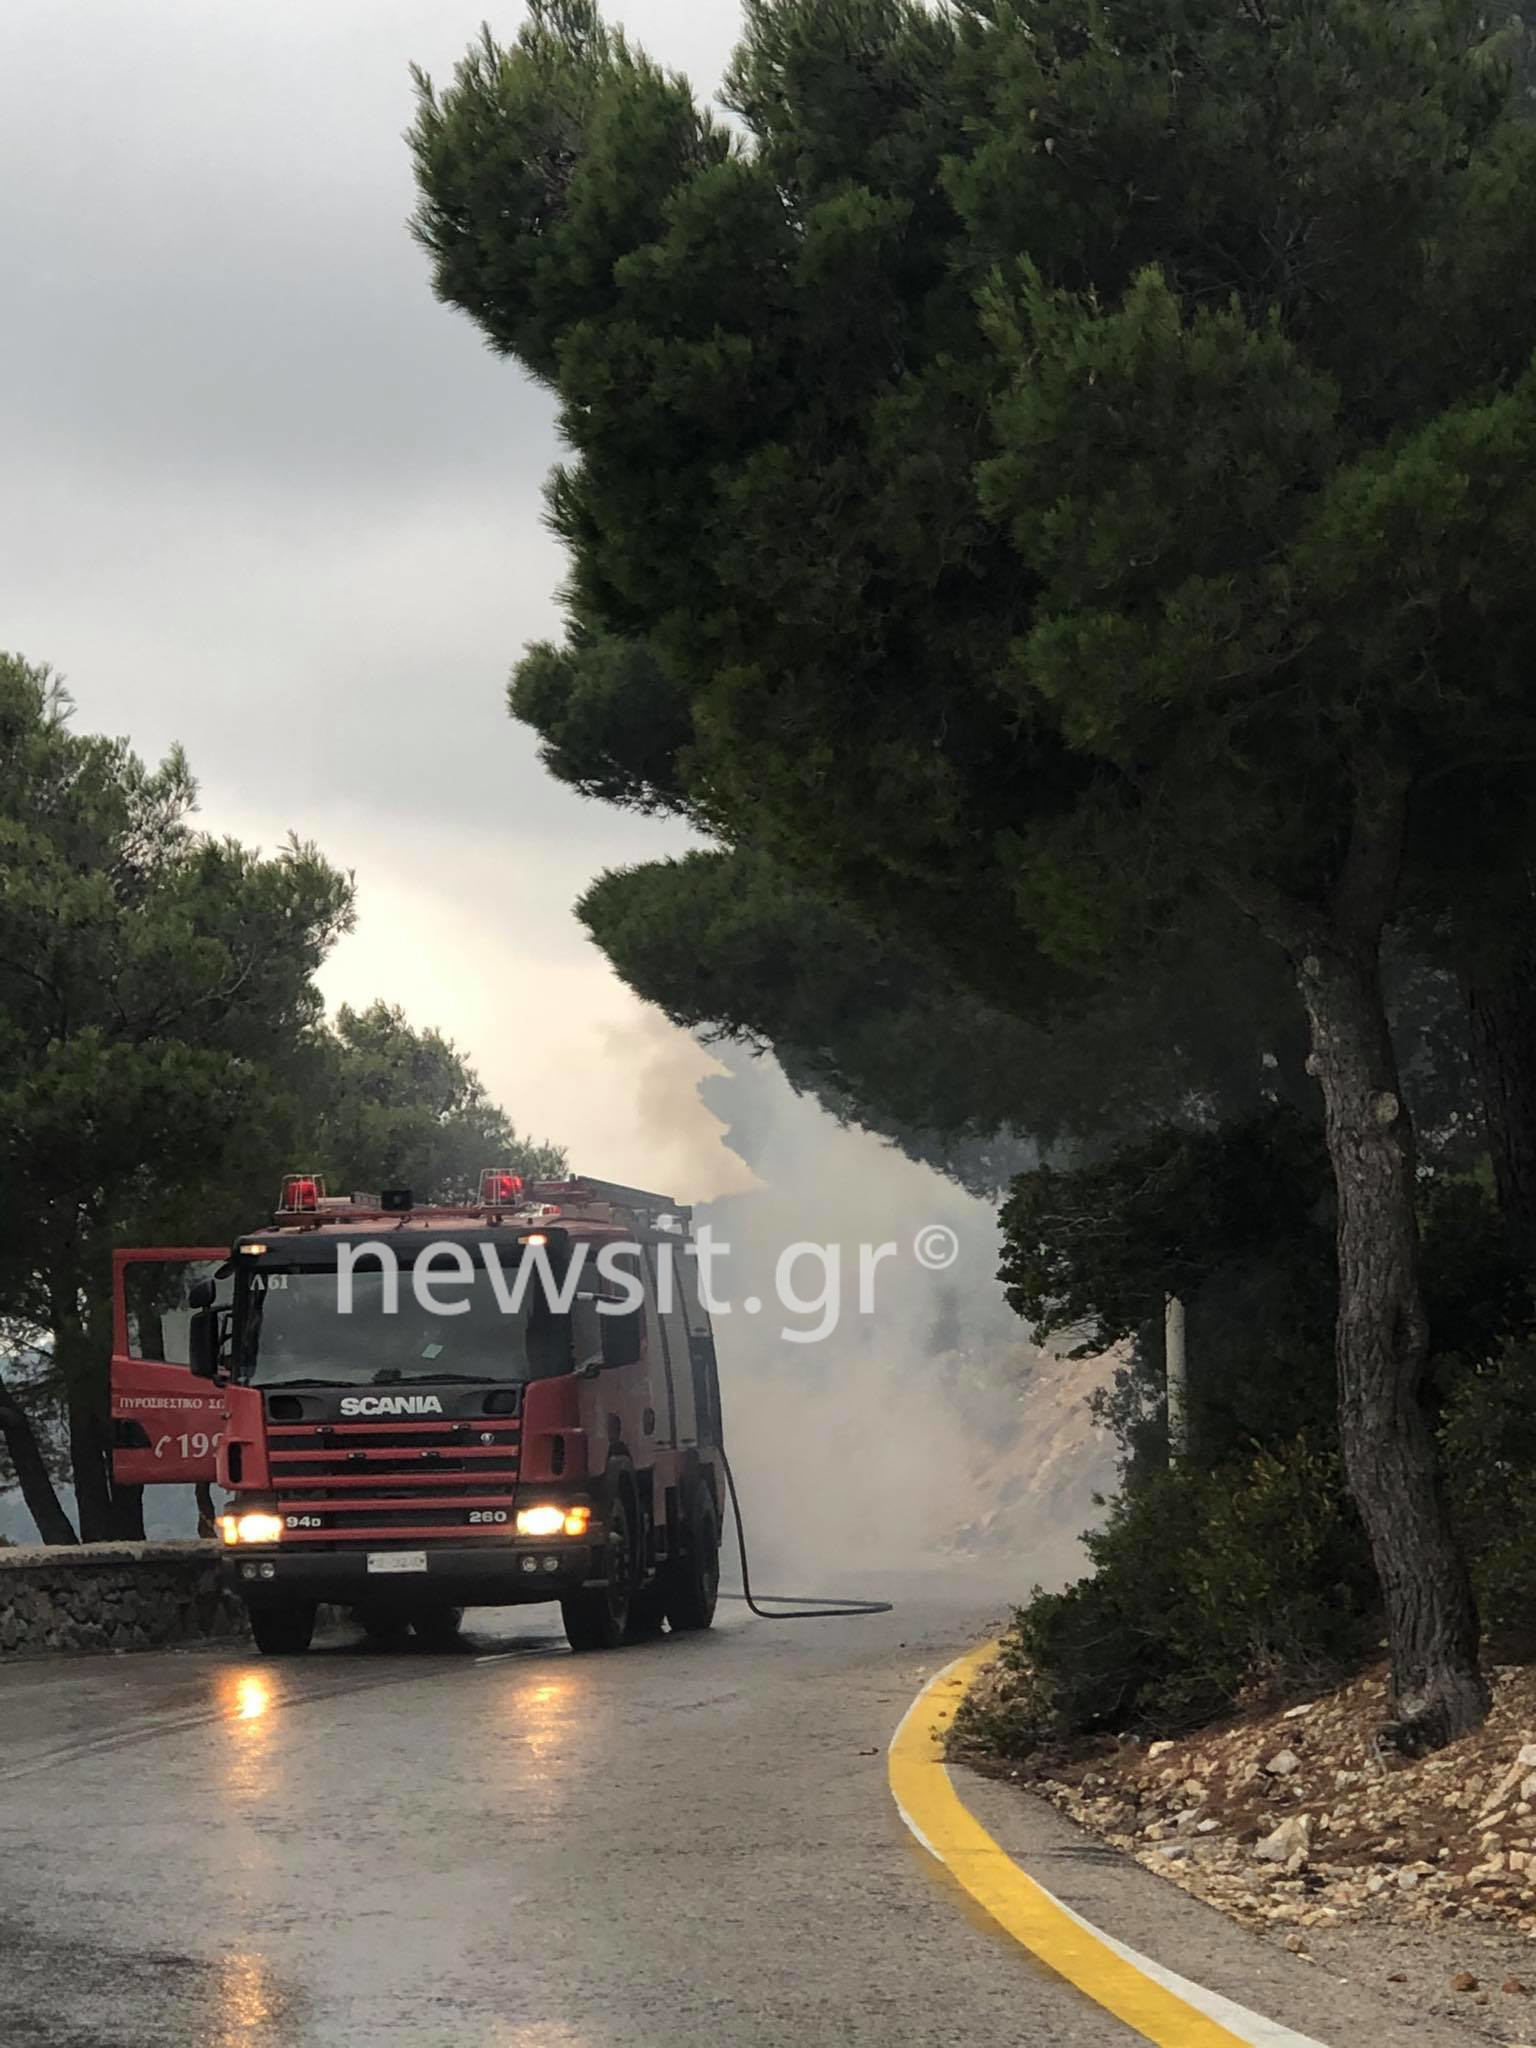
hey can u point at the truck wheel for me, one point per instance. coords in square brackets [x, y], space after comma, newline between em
[283, 1631]
[693, 1581]
[599, 1619]
[438, 1628]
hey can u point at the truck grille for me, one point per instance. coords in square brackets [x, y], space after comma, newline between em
[395, 1482]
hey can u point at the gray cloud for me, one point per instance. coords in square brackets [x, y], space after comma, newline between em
[205, 237]
[262, 492]
[263, 495]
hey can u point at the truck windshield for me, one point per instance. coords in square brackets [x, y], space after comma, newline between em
[289, 1330]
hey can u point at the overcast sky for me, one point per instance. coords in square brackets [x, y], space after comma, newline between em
[262, 494]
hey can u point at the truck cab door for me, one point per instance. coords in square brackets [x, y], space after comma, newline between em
[700, 1342]
[166, 1425]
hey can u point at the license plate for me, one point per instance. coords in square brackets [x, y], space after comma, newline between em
[397, 1560]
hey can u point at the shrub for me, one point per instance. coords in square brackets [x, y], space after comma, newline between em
[1207, 1585]
[1489, 1447]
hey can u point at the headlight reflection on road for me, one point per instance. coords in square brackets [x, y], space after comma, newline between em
[247, 1997]
[542, 1711]
[248, 1699]
[253, 1696]
[534, 2034]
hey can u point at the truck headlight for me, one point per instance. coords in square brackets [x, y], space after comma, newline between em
[251, 1528]
[550, 1520]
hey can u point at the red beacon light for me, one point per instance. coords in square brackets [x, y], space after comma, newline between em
[499, 1189]
[302, 1194]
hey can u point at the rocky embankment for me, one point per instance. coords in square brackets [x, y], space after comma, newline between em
[1300, 1820]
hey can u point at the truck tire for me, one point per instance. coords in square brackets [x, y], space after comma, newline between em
[692, 1583]
[598, 1618]
[283, 1631]
[438, 1628]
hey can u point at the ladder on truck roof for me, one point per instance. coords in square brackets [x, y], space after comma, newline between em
[640, 1201]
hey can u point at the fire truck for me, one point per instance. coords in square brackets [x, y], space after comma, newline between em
[418, 1408]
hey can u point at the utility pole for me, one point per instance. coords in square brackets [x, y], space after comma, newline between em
[1177, 1370]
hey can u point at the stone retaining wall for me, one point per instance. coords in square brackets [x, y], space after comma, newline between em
[112, 1596]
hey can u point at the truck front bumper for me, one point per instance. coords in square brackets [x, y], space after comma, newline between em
[485, 1576]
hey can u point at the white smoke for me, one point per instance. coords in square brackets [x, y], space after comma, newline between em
[928, 1432]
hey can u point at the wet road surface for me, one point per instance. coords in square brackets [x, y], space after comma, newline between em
[513, 1847]
[510, 1848]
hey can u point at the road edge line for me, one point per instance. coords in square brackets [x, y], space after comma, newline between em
[1156, 2002]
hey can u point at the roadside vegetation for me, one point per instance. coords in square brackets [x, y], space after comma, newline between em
[1049, 498]
[164, 1060]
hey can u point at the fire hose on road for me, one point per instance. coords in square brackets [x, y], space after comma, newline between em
[786, 1606]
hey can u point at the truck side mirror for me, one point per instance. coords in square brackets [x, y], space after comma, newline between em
[201, 1294]
[203, 1343]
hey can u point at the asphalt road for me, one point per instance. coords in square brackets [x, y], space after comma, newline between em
[690, 1841]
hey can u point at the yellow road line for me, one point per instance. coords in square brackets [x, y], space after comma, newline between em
[1159, 2005]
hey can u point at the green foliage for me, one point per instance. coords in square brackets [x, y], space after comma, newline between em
[1096, 1250]
[883, 1033]
[1489, 1439]
[156, 986]
[620, 738]
[1477, 1295]
[1013, 496]
[537, 157]
[1207, 1585]
[1249, 1569]
[1238, 1221]
[1017, 383]
[1059, 485]
[727, 944]
[163, 1052]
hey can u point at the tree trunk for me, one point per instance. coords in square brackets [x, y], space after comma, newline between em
[32, 1475]
[107, 1513]
[1501, 1015]
[89, 1458]
[1382, 1345]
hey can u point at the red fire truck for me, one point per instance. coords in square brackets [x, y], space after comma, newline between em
[421, 1408]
